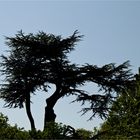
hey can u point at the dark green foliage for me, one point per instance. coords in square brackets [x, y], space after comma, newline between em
[11, 132]
[53, 131]
[3, 121]
[124, 118]
[84, 134]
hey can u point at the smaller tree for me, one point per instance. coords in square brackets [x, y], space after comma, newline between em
[124, 117]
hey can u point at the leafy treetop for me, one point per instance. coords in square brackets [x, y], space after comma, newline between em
[34, 61]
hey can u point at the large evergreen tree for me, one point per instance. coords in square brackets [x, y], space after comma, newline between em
[35, 61]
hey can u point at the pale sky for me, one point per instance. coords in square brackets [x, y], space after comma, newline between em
[111, 32]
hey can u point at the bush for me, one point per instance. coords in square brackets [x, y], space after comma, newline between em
[11, 132]
[84, 134]
[52, 131]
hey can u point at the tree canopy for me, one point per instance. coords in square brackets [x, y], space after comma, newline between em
[37, 60]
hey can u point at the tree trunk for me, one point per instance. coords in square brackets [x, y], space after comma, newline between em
[28, 111]
[49, 111]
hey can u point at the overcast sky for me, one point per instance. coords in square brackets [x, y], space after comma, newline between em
[111, 32]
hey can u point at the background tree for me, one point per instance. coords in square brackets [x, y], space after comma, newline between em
[124, 118]
[35, 61]
[11, 132]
